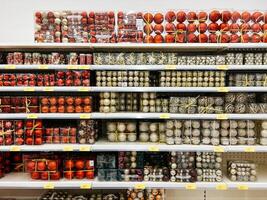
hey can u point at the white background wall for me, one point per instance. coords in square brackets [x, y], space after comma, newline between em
[16, 16]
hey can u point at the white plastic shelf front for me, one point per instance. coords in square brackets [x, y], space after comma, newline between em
[23, 181]
[101, 146]
[132, 67]
[89, 47]
[130, 89]
[131, 115]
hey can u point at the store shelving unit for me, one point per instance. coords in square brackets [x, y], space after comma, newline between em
[103, 145]
[23, 181]
[132, 89]
[132, 115]
[133, 67]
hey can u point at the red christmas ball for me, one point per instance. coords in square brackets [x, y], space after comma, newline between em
[224, 27]
[257, 16]
[225, 38]
[169, 27]
[256, 38]
[148, 29]
[213, 27]
[89, 174]
[213, 38]
[192, 38]
[170, 16]
[44, 175]
[41, 166]
[234, 28]
[203, 38]
[158, 39]
[180, 27]
[169, 38]
[226, 16]
[52, 165]
[191, 28]
[202, 27]
[55, 175]
[234, 38]
[236, 16]
[245, 38]
[191, 17]
[180, 38]
[202, 16]
[69, 175]
[181, 16]
[158, 18]
[31, 166]
[245, 16]
[148, 18]
[35, 175]
[245, 27]
[79, 174]
[256, 27]
[214, 15]
[69, 164]
[148, 39]
[79, 164]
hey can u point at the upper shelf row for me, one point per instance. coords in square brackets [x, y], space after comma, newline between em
[122, 47]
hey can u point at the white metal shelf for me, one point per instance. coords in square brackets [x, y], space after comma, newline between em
[23, 181]
[101, 146]
[131, 115]
[129, 89]
[132, 67]
[132, 46]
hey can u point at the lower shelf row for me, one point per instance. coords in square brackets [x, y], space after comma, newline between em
[123, 194]
[136, 167]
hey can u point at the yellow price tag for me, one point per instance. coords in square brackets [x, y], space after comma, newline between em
[222, 116]
[43, 67]
[49, 186]
[67, 148]
[84, 67]
[218, 149]
[249, 149]
[83, 89]
[49, 89]
[170, 67]
[86, 186]
[15, 148]
[153, 148]
[72, 67]
[164, 116]
[221, 186]
[242, 187]
[32, 116]
[190, 186]
[85, 116]
[222, 89]
[140, 186]
[85, 148]
[222, 67]
[28, 89]
[10, 67]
